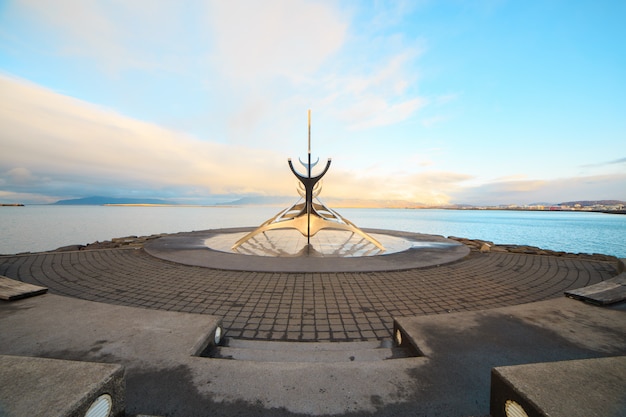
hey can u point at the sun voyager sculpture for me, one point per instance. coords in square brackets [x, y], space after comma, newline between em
[308, 215]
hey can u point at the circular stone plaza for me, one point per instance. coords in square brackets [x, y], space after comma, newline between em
[286, 327]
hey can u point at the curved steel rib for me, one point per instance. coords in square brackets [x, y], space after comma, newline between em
[310, 216]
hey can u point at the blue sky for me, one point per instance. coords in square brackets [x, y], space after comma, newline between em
[438, 102]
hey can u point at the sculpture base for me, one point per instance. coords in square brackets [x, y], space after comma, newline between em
[283, 253]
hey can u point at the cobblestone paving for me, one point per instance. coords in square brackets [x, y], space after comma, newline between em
[305, 307]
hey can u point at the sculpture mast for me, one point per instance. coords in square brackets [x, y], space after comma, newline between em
[309, 143]
[308, 214]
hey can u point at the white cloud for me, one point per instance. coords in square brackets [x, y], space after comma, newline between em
[54, 145]
[67, 146]
[526, 191]
[428, 187]
[260, 64]
[9, 197]
[20, 175]
[46, 134]
[257, 40]
[244, 73]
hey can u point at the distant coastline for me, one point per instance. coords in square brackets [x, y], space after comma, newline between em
[349, 206]
[168, 205]
[583, 209]
[595, 206]
[103, 201]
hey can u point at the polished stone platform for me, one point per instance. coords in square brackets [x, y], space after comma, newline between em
[287, 251]
[326, 243]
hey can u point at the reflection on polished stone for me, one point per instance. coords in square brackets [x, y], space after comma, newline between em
[291, 243]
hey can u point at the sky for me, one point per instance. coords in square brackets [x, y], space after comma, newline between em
[434, 102]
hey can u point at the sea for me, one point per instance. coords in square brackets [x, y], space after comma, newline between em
[38, 228]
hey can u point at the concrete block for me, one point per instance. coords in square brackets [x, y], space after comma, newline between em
[577, 388]
[11, 289]
[606, 292]
[58, 388]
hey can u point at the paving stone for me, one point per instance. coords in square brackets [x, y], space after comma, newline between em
[332, 306]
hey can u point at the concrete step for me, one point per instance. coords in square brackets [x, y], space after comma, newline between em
[327, 352]
[304, 346]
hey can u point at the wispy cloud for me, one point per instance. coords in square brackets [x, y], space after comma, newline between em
[433, 120]
[376, 112]
[617, 161]
[446, 98]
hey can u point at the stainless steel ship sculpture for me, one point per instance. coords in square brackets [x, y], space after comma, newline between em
[311, 215]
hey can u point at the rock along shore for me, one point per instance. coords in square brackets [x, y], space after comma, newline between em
[475, 245]
[484, 246]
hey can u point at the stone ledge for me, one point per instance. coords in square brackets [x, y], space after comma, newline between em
[603, 293]
[475, 245]
[57, 388]
[11, 289]
[577, 388]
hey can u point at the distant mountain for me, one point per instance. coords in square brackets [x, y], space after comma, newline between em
[365, 203]
[330, 202]
[541, 203]
[261, 201]
[589, 203]
[100, 201]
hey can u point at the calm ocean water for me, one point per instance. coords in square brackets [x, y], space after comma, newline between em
[41, 228]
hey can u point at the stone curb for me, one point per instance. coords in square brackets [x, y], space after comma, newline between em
[483, 246]
[475, 245]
